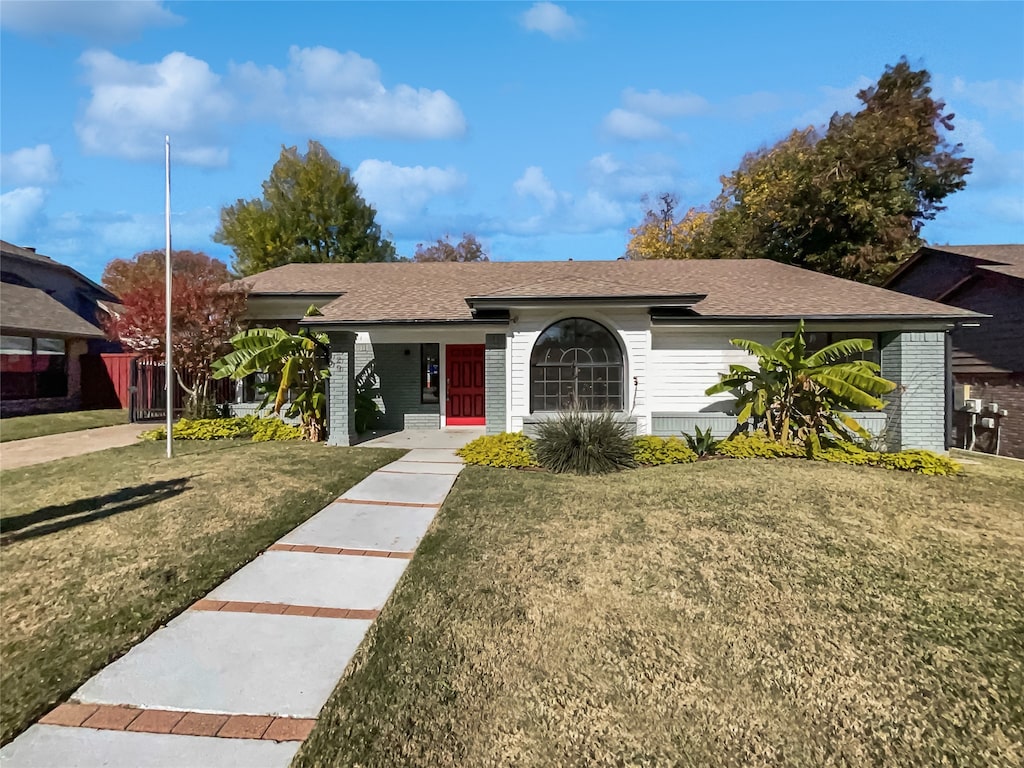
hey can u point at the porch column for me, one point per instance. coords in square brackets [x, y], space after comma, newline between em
[341, 389]
[494, 383]
[916, 409]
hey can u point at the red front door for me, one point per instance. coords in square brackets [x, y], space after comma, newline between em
[464, 371]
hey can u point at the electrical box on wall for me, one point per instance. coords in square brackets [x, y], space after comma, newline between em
[961, 392]
[972, 406]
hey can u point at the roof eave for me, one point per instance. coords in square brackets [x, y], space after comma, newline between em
[525, 302]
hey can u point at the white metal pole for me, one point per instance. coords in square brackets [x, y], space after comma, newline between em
[168, 352]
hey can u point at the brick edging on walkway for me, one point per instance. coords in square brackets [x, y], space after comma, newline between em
[107, 717]
[313, 549]
[283, 609]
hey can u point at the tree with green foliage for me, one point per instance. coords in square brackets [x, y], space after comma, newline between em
[311, 212]
[801, 396]
[848, 199]
[467, 249]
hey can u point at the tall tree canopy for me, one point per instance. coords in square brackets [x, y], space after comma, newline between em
[204, 314]
[849, 199]
[467, 249]
[311, 212]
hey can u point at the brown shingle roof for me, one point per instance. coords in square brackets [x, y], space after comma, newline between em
[30, 310]
[997, 254]
[437, 291]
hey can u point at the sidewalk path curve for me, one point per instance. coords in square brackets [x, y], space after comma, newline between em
[239, 678]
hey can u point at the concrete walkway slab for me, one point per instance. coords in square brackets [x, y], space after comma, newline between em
[51, 746]
[38, 450]
[240, 663]
[305, 578]
[444, 455]
[364, 526]
[394, 488]
[422, 468]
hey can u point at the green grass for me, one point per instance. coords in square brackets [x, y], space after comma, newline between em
[21, 427]
[724, 613]
[97, 551]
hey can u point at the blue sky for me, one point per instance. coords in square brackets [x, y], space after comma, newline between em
[539, 127]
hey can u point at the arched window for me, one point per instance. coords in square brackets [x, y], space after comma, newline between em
[576, 362]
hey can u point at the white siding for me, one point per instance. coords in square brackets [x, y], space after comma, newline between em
[685, 362]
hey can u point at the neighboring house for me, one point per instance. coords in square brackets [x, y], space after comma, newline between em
[987, 358]
[48, 319]
[508, 344]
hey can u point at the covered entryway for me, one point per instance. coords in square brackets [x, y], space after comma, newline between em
[464, 385]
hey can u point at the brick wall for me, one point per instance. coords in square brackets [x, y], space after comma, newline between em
[341, 390]
[916, 410]
[1008, 391]
[391, 373]
[494, 383]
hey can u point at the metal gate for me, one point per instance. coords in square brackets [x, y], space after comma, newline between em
[148, 396]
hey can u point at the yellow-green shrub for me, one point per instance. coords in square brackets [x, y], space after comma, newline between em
[923, 462]
[259, 430]
[652, 450]
[509, 450]
[756, 445]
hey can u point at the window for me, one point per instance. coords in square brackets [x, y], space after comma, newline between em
[430, 373]
[32, 368]
[576, 362]
[816, 340]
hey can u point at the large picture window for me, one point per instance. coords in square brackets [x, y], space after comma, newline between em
[576, 363]
[32, 368]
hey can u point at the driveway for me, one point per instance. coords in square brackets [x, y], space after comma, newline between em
[37, 450]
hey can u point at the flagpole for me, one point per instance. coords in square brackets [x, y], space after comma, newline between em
[168, 352]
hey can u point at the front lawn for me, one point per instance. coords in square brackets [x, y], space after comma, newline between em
[99, 550]
[726, 613]
[21, 427]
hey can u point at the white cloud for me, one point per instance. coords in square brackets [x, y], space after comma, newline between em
[533, 184]
[993, 95]
[557, 211]
[633, 126]
[832, 100]
[103, 22]
[654, 103]
[401, 192]
[20, 211]
[551, 19]
[340, 95]
[993, 168]
[30, 166]
[132, 107]
[649, 175]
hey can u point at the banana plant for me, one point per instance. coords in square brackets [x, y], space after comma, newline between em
[292, 362]
[793, 395]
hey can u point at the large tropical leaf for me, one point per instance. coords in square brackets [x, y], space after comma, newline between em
[848, 392]
[838, 350]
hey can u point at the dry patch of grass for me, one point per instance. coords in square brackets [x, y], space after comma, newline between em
[21, 427]
[719, 614]
[99, 550]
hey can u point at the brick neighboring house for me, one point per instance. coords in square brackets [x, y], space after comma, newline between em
[48, 320]
[989, 358]
[507, 344]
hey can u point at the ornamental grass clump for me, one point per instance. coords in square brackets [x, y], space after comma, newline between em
[585, 443]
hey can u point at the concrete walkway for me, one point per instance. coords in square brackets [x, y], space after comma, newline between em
[37, 450]
[239, 678]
